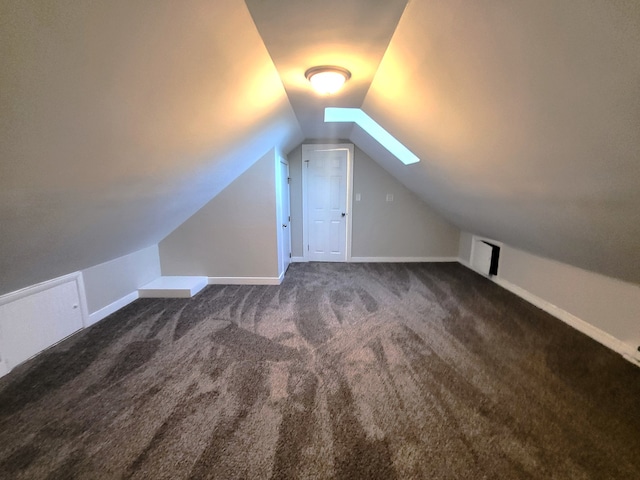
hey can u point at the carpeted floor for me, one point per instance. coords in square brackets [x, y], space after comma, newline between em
[344, 371]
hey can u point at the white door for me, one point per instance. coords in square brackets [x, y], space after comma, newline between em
[285, 217]
[326, 204]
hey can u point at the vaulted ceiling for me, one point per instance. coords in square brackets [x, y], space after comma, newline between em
[120, 119]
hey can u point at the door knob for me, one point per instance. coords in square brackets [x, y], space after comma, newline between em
[284, 226]
[343, 214]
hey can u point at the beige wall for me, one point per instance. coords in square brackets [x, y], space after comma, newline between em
[113, 280]
[406, 227]
[117, 126]
[605, 303]
[466, 240]
[110, 281]
[234, 235]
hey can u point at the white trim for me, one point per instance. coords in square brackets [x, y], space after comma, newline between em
[350, 161]
[283, 263]
[349, 201]
[46, 285]
[464, 262]
[303, 219]
[246, 280]
[299, 260]
[583, 326]
[104, 312]
[75, 277]
[403, 259]
[474, 240]
[600, 336]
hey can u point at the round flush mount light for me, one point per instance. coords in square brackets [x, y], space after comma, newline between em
[326, 79]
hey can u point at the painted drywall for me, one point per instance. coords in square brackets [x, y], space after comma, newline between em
[466, 242]
[402, 227]
[234, 235]
[605, 303]
[108, 282]
[121, 120]
[525, 116]
[405, 227]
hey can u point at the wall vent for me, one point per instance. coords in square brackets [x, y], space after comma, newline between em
[485, 256]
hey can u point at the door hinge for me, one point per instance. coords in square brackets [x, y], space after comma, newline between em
[289, 218]
[289, 254]
[307, 248]
[288, 179]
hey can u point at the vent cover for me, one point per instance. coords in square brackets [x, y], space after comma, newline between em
[485, 257]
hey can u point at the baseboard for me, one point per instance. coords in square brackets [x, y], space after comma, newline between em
[465, 263]
[104, 312]
[600, 336]
[298, 260]
[246, 280]
[402, 259]
[583, 326]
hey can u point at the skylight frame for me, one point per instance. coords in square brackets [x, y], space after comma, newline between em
[373, 128]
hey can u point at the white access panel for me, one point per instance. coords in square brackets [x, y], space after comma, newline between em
[481, 256]
[34, 319]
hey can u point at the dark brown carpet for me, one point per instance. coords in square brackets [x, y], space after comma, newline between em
[344, 371]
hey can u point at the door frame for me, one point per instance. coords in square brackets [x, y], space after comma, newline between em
[285, 261]
[306, 148]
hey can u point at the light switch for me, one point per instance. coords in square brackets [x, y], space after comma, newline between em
[357, 197]
[389, 197]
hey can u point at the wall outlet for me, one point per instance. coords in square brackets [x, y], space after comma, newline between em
[389, 197]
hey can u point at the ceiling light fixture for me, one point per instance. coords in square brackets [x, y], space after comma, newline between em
[327, 80]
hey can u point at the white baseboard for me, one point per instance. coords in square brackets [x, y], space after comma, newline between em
[104, 312]
[402, 259]
[465, 263]
[246, 280]
[600, 336]
[298, 260]
[595, 333]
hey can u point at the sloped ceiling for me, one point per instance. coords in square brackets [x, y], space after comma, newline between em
[526, 115]
[120, 119]
[306, 33]
[527, 120]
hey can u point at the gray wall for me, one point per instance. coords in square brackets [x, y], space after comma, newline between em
[117, 127]
[234, 235]
[406, 227]
[608, 304]
[113, 280]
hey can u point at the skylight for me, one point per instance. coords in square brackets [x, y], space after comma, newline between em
[369, 125]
